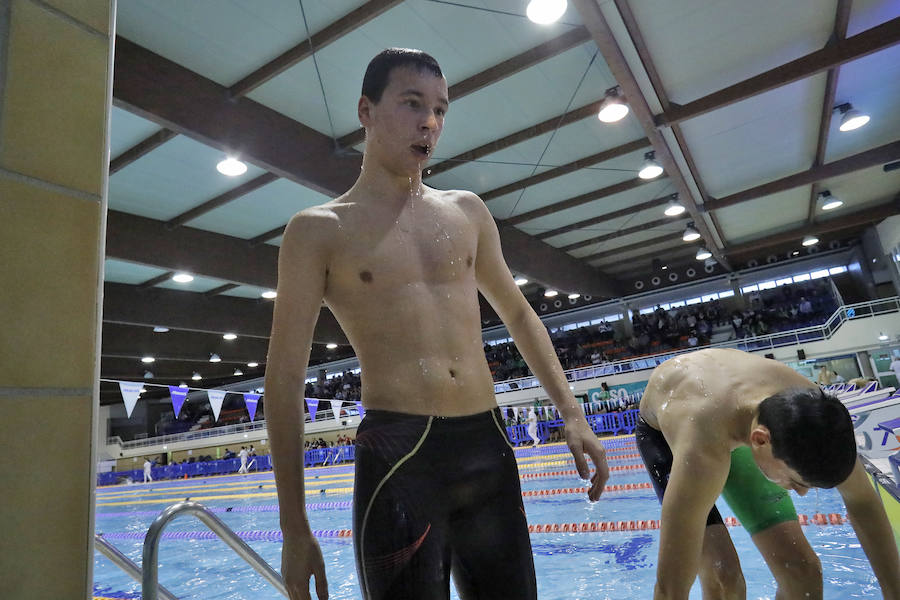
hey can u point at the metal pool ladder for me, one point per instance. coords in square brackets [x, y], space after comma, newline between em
[150, 588]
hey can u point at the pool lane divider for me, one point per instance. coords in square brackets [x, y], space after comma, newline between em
[275, 535]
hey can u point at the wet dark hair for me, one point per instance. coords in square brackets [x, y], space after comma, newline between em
[812, 433]
[380, 67]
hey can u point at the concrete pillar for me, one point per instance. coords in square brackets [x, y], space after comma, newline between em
[865, 363]
[739, 302]
[627, 327]
[55, 77]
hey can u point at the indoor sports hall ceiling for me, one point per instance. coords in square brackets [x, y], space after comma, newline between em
[735, 98]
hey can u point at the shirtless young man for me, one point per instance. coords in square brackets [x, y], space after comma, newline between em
[400, 264]
[720, 418]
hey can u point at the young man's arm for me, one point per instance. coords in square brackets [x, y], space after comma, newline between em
[301, 286]
[873, 529]
[532, 341]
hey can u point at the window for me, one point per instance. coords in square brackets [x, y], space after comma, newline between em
[694, 301]
[569, 327]
[785, 281]
[726, 294]
[750, 288]
[583, 324]
[709, 297]
[767, 285]
[819, 274]
[838, 270]
[677, 304]
[665, 306]
[803, 277]
[615, 317]
[646, 311]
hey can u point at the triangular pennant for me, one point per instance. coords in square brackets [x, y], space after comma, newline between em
[216, 397]
[360, 409]
[336, 409]
[313, 404]
[130, 393]
[178, 395]
[251, 401]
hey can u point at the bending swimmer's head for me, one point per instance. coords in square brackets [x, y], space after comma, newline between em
[379, 70]
[812, 433]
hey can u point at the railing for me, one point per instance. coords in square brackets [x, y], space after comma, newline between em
[775, 340]
[125, 563]
[150, 580]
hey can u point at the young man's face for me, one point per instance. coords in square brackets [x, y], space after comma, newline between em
[404, 126]
[778, 472]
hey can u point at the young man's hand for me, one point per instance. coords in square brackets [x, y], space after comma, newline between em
[581, 440]
[301, 558]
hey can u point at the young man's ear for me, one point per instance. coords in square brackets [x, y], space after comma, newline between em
[760, 436]
[364, 109]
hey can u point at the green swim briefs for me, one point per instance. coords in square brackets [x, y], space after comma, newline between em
[757, 502]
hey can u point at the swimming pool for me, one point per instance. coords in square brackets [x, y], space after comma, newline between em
[596, 565]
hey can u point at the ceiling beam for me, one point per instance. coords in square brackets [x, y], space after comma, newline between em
[839, 32]
[331, 33]
[616, 188]
[665, 255]
[135, 342]
[140, 149]
[628, 210]
[668, 237]
[593, 19]
[498, 72]
[153, 281]
[222, 199]
[565, 169]
[833, 54]
[857, 162]
[551, 124]
[622, 233]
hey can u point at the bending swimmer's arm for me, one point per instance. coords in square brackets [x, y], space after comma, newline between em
[697, 478]
[301, 287]
[532, 341]
[873, 529]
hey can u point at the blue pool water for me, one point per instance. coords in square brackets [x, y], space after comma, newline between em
[615, 565]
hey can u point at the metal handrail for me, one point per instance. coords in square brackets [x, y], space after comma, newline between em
[150, 580]
[125, 563]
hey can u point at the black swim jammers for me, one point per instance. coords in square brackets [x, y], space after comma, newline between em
[431, 492]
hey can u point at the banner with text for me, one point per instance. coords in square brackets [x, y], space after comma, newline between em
[313, 404]
[251, 400]
[216, 397]
[178, 395]
[130, 393]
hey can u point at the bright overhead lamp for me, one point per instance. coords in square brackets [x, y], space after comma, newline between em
[674, 207]
[238, 372]
[651, 168]
[690, 234]
[828, 201]
[882, 337]
[269, 294]
[545, 12]
[229, 336]
[809, 240]
[703, 254]
[231, 167]
[182, 385]
[148, 374]
[252, 365]
[612, 108]
[182, 278]
[214, 358]
[160, 329]
[664, 267]
[550, 293]
[331, 345]
[574, 296]
[196, 376]
[852, 118]
[147, 360]
[520, 281]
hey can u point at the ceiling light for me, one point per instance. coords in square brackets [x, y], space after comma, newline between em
[520, 281]
[829, 202]
[182, 278]
[809, 240]
[229, 336]
[182, 385]
[612, 108]
[703, 254]
[147, 360]
[148, 375]
[231, 167]
[160, 329]
[651, 168]
[882, 337]
[550, 293]
[331, 345]
[674, 207]
[852, 118]
[214, 358]
[795, 253]
[545, 12]
[664, 267]
[690, 234]
[238, 372]
[574, 296]
[252, 365]
[196, 376]
[268, 294]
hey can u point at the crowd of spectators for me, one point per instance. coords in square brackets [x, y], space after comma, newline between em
[342, 440]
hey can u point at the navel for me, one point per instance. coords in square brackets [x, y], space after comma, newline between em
[469, 261]
[366, 276]
[452, 373]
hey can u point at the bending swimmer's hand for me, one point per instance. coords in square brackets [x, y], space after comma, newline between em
[301, 559]
[581, 440]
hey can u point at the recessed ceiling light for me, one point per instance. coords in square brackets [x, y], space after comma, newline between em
[160, 329]
[269, 294]
[231, 167]
[612, 108]
[550, 293]
[182, 278]
[214, 358]
[229, 336]
[703, 254]
[809, 240]
[545, 12]
[520, 281]
[574, 296]
[651, 168]
[331, 345]
[196, 376]
[252, 364]
[148, 359]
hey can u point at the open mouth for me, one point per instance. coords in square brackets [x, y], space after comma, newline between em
[423, 150]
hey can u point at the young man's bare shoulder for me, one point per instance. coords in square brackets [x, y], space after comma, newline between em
[467, 201]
